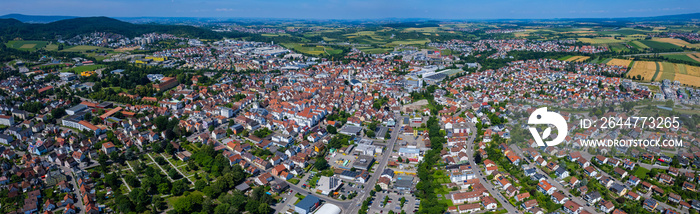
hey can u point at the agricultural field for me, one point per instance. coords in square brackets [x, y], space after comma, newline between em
[619, 62]
[692, 58]
[600, 40]
[577, 58]
[688, 80]
[312, 49]
[660, 45]
[668, 71]
[371, 50]
[409, 42]
[677, 42]
[639, 44]
[27, 45]
[645, 69]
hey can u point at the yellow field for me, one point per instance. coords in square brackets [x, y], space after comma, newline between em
[678, 42]
[688, 79]
[619, 62]
[576, 58]
[643, 68]
[27, 46]
[695, 57]
[582, 59]
[692, 70]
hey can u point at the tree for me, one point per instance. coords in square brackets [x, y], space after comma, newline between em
[200, 184]
[321, 163]
[331, 129]
[377, 188]
[139, 197]
[111, 180]
[178, 187]
[132, 180]
[164, 188]
[173, 173]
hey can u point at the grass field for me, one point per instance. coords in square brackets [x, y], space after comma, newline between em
[27, 45]
[599, 40]
[79, 69]
[684, 57]
[660, 45]
[677, 42]
[695, 56]
[619, 62]
[564, 58]
[668, 71]
[640, 44]
[310, 49]
[371, 50]
[647, 70]
[81, 48]
[640, 172]
[410, 42]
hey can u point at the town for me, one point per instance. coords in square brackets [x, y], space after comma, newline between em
[156, 122]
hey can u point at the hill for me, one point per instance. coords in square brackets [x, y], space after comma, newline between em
[13, 28]
[35, 19]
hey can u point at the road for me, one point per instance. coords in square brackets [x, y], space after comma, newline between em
[377, 172]
[479, 174]
[76, 189]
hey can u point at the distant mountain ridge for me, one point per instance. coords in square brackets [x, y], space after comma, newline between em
[145, 19]
[35, 18]
[67, 28]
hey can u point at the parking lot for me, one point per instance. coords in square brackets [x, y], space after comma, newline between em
[393, 204]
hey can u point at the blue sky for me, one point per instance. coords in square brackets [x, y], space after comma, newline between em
[354, 9]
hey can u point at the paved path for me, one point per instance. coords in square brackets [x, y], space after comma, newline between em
[161, 168]
[178, 170]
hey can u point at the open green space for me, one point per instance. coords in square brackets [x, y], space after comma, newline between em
[27, 45]
[81, 48]
[79, 69]
[640, 172]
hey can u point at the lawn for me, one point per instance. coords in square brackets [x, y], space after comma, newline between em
[79, 69]
[641, 173]
[410, 42]
[27, 45]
